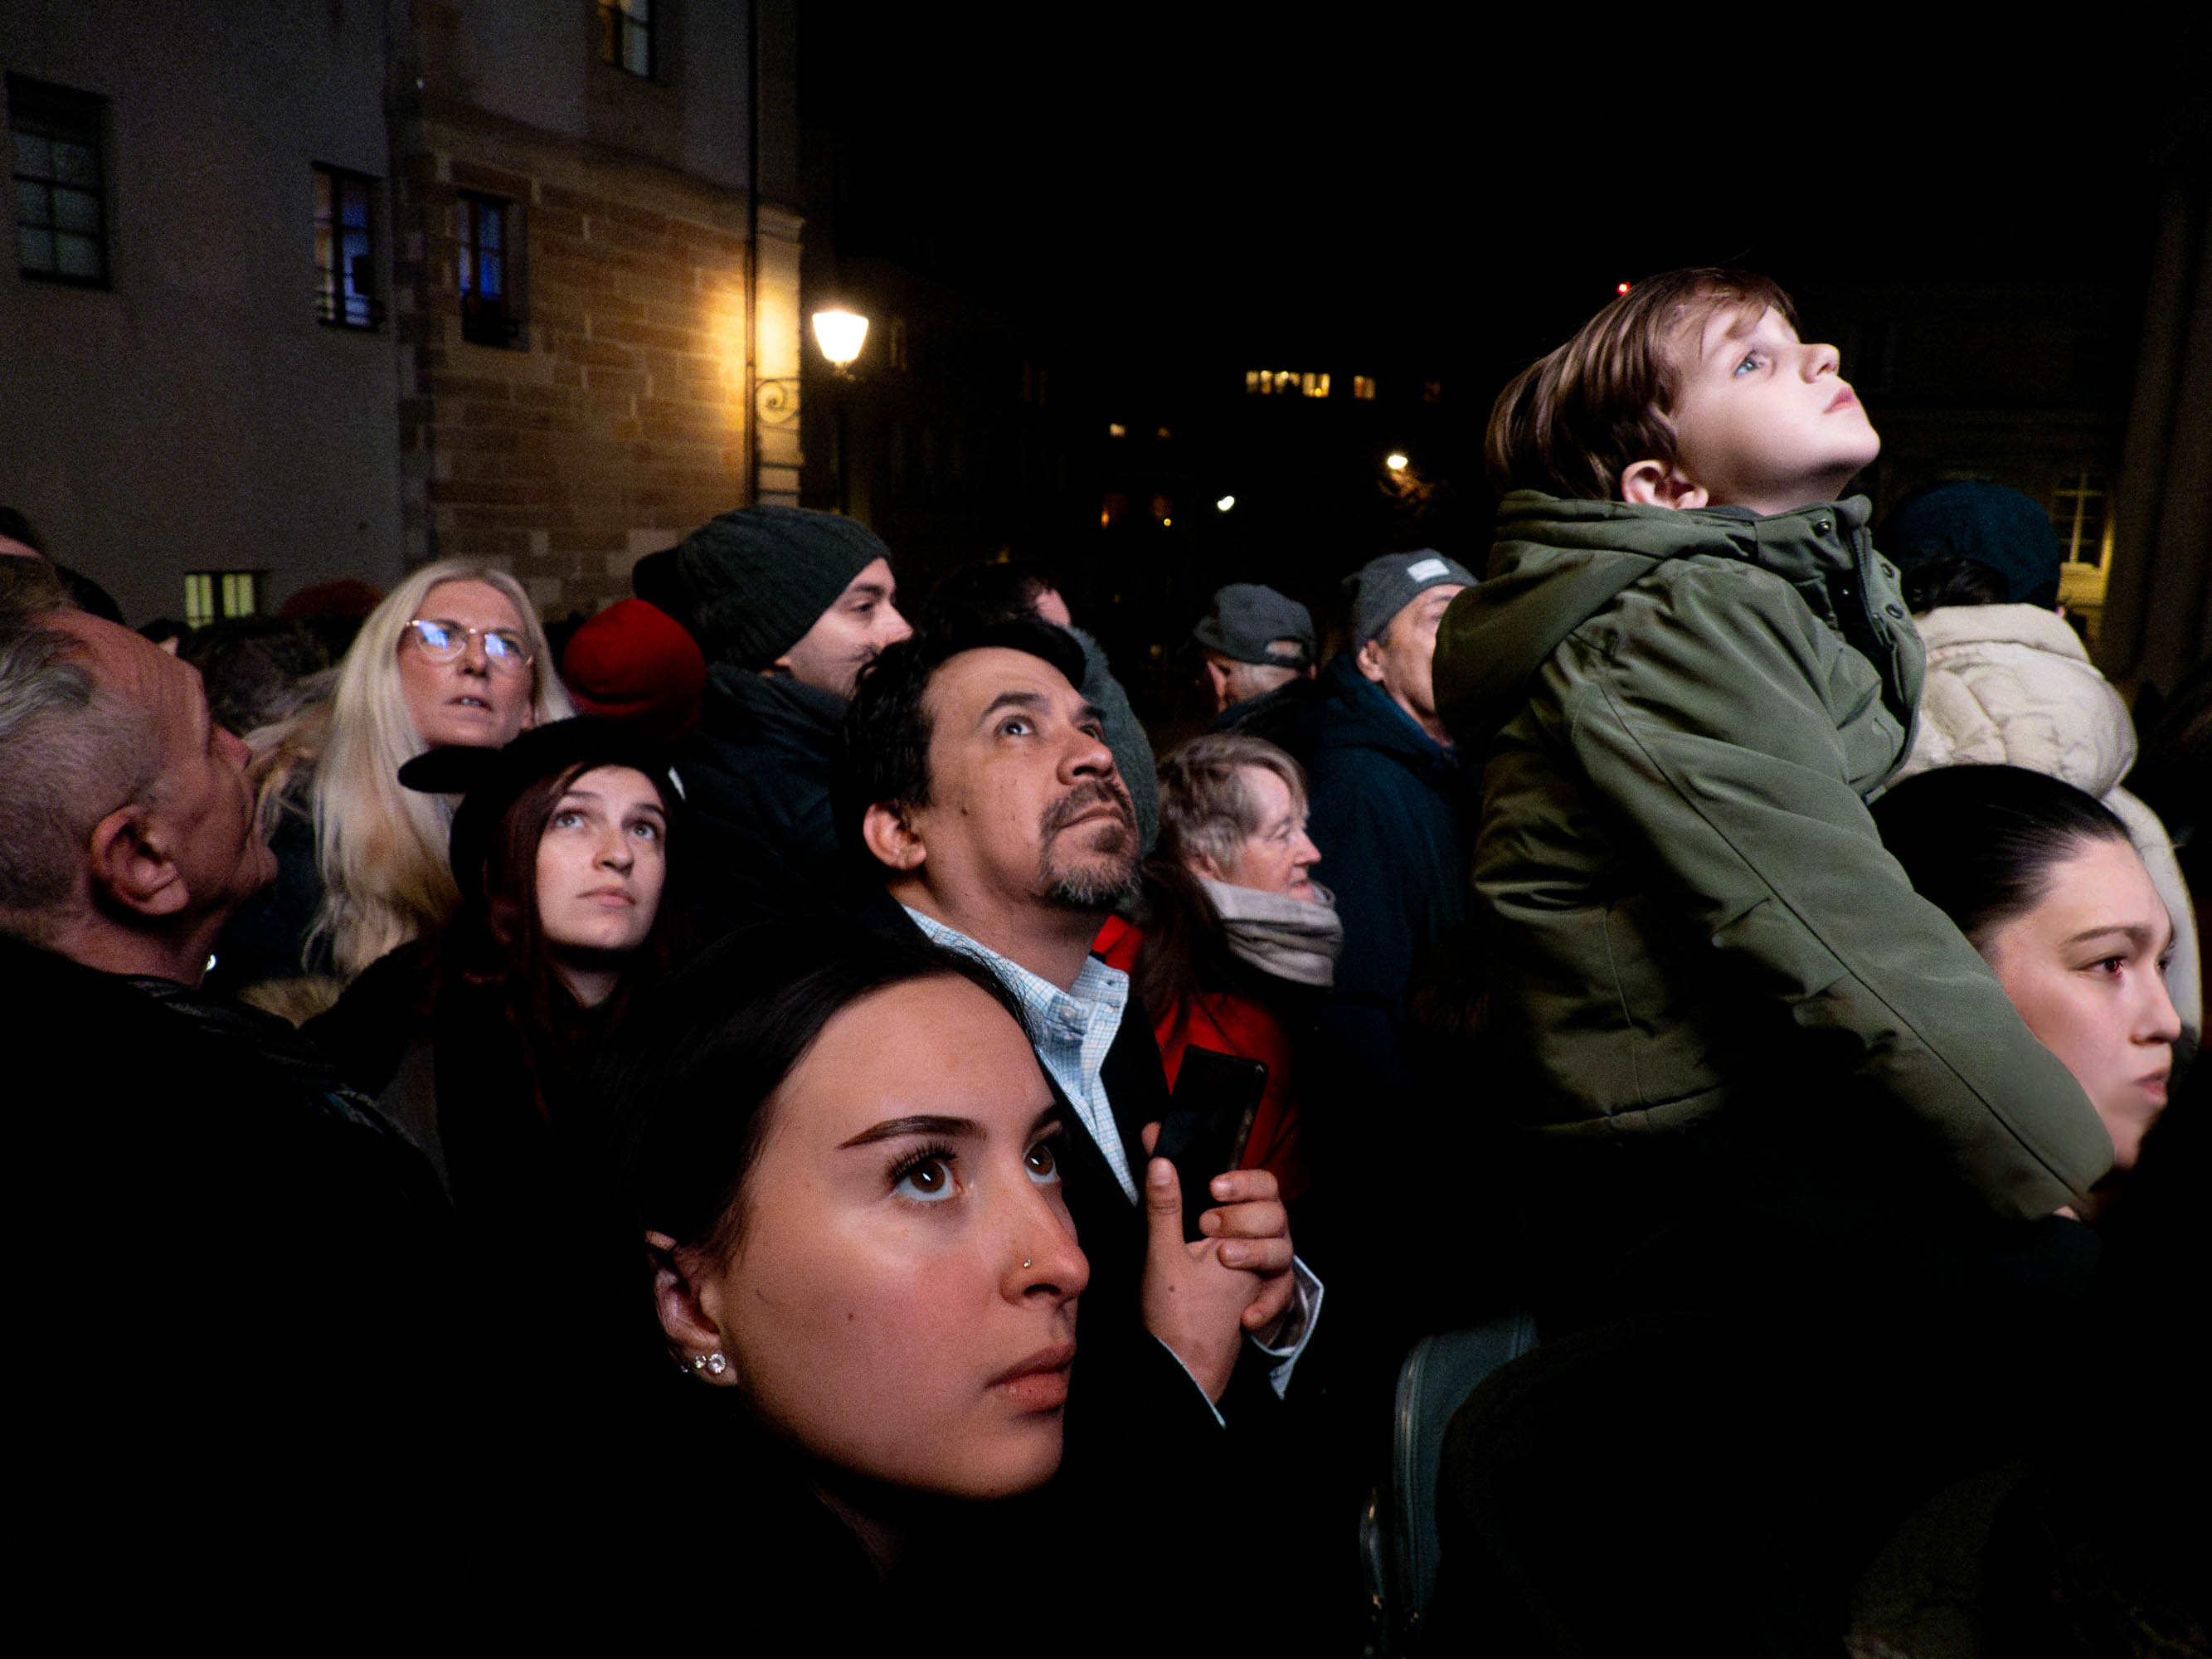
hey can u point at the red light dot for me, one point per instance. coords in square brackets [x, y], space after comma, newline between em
[1621, 288]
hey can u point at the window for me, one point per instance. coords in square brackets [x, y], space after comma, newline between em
[489, 312]
[626, 35]
[2080, 512]
[345, 251]
[210, 594]
[61, 205]
[1363, 387]
[1288, 383]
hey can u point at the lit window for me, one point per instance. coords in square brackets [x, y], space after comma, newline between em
[1432, 392]
[1314, 385]
[61, 207]
[345, 253]
[1115, 429]
[1162, 509]
[1254, 382]
[1112, 510]
[626, 35]
[1363, 387]
[1165, 433]
[2081, 510]
[211, 594]
[489, 315]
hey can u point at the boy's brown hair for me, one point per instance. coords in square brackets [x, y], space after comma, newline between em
[1573, 420]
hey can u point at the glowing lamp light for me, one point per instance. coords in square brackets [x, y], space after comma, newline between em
[840, 334]
[1225, 503]
[1396, 460]
[1621, 288]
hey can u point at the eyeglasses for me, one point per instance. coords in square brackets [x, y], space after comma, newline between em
[442, 642]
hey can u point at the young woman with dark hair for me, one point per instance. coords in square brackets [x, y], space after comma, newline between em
[843, 1160]
[481, 1039]
[2045, 882]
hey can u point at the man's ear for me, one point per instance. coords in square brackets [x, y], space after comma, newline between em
[887, 835]
[1370, 660]
[133, 867]
[682, 1301]
[1218, 677]
[1655, 483]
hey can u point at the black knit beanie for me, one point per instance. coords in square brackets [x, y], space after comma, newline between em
[749, 584]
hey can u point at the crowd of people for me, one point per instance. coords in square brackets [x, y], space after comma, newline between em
[769, 1113]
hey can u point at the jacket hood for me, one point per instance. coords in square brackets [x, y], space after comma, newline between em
[1558, 562]
[1350, 711]
[2011, 685]
[772, 710]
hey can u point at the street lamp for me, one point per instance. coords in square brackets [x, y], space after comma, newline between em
[1225, 503]
[839, 333]
[1396, 460]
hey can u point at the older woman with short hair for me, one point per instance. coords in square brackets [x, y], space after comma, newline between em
[1233, 934]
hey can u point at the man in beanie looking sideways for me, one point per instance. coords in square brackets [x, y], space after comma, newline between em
[788, 606]
[1257, 652]
[1391, 808]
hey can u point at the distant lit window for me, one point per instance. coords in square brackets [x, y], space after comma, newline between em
[1363, 387]
[1164, 509]
[1432, 392]
[1115, 429]
[1113, 510]
[2081, 510]
[626, 35]
[489, 313]
[346, 250]
[211, 595]
[1285, 383]
[61, 202]
[1165, 433]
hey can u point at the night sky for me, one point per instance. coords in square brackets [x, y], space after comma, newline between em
[1414, 188]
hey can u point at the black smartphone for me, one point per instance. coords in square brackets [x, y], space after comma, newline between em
[1209, 1119]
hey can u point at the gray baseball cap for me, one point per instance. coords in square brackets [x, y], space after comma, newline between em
[1385, 586]
[1246, 617]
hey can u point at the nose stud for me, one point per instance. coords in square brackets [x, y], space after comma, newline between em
[1026, 1262]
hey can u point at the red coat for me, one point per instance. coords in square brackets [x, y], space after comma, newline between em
[1228, 1024]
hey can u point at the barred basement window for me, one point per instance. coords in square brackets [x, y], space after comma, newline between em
[346, 250]
[210, 594]
[626, 35]
[61, 198]
[490, 314]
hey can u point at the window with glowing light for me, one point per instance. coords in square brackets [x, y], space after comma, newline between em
[346, 250]
[1363, 387]
[61, 191]
[484, 270]
[2081, 510]
[214, 595]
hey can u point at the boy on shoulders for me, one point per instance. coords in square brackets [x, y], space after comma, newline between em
[1688, 671]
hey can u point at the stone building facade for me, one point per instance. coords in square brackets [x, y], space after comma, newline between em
[516, 279]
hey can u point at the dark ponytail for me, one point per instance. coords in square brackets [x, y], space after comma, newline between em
[1979, 843]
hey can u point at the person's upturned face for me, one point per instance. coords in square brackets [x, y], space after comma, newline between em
[203, 804]
[1402, 658]
[477, 700]
[846, 637]
[2083, 967]
[901, 1301]
[1279, 857]
[601, 863]
[1763, 421]
[1024, 802]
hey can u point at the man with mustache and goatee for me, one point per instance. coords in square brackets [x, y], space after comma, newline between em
[980, 784]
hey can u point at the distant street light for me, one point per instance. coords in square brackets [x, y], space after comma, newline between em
[1396, 460]
[1225, 503]
[840, 334]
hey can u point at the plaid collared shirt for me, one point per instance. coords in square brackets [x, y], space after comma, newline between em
[1072, 1030]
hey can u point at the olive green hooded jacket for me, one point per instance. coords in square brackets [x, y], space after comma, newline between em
[1690, 917]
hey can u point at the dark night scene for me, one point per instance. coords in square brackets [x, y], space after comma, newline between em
[1156, 830]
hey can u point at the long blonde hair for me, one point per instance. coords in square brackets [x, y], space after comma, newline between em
[382, 846]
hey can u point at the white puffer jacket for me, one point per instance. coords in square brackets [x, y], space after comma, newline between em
[2010, 685]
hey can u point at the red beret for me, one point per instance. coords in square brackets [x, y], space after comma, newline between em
[634, 662]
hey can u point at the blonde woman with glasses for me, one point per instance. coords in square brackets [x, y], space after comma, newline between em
[454, 655]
